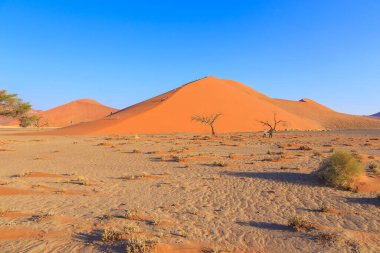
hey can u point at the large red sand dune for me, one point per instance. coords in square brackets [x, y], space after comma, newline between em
[75, 112]
[241, 106]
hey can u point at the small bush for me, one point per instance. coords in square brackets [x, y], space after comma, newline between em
[299, 223]
[110, 235]
[219, 164]
[156, 222]
[83, 180]
[178, 158]
[131, 228]
[329, 237]
[137, 245]
[340, 170]
[374, 167]
[128, 214]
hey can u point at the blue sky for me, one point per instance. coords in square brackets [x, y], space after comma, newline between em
[122, 52]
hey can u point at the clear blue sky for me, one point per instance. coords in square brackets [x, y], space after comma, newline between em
[122, 52]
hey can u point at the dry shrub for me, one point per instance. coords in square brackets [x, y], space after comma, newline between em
[374, 167]
[138, 245]
[219, 164]
[329, 237]
[340, 169]
[111, 234]
[299, 223]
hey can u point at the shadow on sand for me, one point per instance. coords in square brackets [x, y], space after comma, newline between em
[264, 225]
[285, 177]
[366, 201]
[92, 237]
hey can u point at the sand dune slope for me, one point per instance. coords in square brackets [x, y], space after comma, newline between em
[326, 117]
[75, 112]
[241, 106]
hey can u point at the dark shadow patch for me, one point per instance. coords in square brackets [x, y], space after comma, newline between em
[285, 177]
[94, 236]
[365, 201]
[310, 210]
[264, 225]
[159, 159]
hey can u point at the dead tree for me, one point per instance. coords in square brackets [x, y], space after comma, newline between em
[207, 120]
[274, 124]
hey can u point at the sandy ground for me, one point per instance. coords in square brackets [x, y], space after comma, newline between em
[232, 193]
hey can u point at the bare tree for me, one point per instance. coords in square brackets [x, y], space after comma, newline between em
[207, 120]
[274, 124]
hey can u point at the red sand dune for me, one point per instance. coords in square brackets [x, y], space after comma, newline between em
[241, 106]
[75, 112]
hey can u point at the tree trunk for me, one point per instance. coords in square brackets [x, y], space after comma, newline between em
[212, 130]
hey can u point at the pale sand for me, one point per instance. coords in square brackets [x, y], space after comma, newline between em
[243, 206]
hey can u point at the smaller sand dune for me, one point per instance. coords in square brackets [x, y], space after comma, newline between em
[75, 112]
[78, 111]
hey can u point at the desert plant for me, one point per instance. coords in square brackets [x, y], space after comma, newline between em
[219, 164]
[83, 180]
[139, 245]
[156, 221]
[275, 123]
[374, 167]
[178, 158]
[12, 106]
[340, 169]
[23, 174]
[111, 234]
[26, 121]
[144, 174]
[329, 237]
[131, 228]
[207, 120]
[299, 223]
[128, 214]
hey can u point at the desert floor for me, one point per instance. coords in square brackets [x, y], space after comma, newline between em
[233, 192]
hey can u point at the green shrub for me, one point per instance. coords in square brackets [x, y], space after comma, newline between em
[340, 169]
